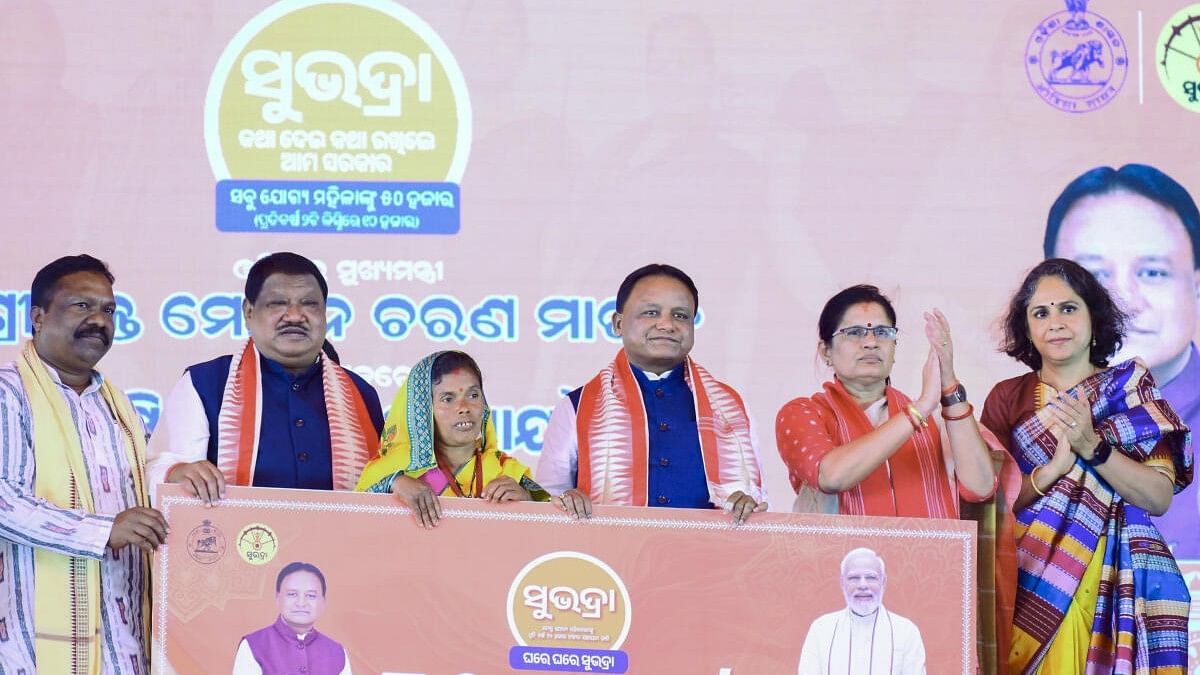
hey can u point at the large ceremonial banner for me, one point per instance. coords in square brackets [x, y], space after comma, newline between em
[522, 587]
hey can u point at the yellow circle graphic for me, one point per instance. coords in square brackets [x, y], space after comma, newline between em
[257, 544]
[1178, 57]
[346, 90]
[571, 600]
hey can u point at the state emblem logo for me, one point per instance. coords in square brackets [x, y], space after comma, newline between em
[1076, 60]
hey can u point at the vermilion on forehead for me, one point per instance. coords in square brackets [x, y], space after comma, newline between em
[456, 373]
[854, 315]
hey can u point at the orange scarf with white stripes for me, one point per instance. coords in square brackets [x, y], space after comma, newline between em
[913, 482]
[614, 441]
[352, 438]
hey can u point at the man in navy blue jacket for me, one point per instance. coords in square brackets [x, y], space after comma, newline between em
[280, 413]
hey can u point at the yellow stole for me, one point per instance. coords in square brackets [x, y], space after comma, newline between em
[67, 596]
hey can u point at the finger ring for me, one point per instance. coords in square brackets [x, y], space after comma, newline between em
[945, 342]
[1074, 424]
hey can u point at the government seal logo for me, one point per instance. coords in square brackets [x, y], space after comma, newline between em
[1179, 57]
[257, 544]
[206, 544]
[1076, 60]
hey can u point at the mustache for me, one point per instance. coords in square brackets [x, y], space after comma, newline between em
[94, 331]
[288, 326]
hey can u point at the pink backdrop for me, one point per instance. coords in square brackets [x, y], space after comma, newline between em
[776, 152]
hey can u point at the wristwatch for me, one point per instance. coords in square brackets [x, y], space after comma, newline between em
[959, 395]
[1100, 454]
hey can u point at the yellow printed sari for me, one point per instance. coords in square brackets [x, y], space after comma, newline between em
[408, 447]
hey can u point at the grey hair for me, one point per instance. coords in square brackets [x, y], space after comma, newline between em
[864, 551]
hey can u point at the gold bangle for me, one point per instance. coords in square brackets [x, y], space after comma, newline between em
[916, 416]
[1033, 479]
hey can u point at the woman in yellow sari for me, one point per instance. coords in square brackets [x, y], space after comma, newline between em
[440, 440]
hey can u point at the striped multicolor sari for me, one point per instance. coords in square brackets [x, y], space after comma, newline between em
[1139, 619]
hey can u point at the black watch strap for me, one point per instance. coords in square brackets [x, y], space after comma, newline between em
[957, 396]
[1100, 454]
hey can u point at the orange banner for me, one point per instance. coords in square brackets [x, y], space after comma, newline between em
[521, 587]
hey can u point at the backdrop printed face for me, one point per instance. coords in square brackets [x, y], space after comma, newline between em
[482, 174]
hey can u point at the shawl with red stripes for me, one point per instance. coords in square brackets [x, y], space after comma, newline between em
[352, 438]
[913, 482]
[614, 440]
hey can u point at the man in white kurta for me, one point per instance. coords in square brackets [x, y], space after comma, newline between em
[864, 638]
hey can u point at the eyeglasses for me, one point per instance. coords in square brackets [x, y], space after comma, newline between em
[857, 333]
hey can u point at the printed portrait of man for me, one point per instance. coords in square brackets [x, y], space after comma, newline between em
[1138, 231]
[292, 644]
[864, 637]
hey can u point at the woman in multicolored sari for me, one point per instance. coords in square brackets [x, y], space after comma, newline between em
[440, 440]
[1098, 590]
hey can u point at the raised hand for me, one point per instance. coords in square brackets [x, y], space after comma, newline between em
[1073, 416]
[931, 384]
[937, 330]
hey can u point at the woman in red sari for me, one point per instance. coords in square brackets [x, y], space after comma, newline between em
[883, 454]
[879, 451]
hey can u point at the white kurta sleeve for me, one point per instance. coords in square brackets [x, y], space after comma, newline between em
[810, 653]
[558, 465]
[181, 435]
[244, 663]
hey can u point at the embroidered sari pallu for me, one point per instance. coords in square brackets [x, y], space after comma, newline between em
[1092, 568]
